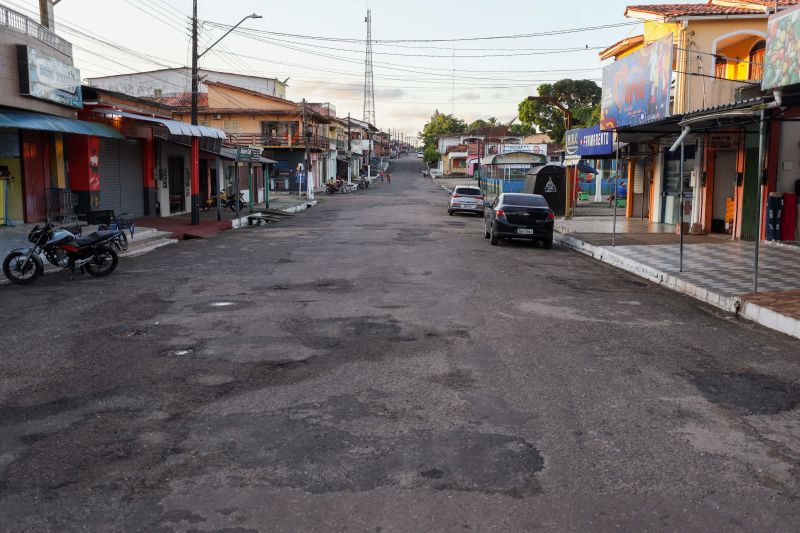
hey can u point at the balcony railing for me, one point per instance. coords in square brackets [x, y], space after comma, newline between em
[23, 24]
[281, 141]
[714, 92]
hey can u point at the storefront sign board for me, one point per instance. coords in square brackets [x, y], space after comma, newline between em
[783, 49]
[44, 77]
[587, 142]
[636, 88]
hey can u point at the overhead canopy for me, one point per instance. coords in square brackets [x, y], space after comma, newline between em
[175, 127]
[27, 120]
[515, 158]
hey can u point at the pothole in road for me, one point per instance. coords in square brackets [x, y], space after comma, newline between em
[747, 393]
[330, 286]
[308, 448]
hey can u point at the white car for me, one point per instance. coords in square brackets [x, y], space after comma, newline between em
[466, 199]
[419, 155]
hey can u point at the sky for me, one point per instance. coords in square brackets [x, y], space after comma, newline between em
[473, 79]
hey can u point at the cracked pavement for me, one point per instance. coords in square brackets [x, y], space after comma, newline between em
[373, 364]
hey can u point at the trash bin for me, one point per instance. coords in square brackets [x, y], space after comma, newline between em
[549, 181]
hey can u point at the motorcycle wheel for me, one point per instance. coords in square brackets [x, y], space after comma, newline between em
[121, 241]
[21, 274]
[103, 263]
[344, 190]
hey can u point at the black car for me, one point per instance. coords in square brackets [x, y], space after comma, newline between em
[519, 216]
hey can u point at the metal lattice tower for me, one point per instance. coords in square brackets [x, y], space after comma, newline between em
[369, 82]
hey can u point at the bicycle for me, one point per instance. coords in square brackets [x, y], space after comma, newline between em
[106, 220]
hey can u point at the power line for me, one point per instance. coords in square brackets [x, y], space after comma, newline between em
[461, 39]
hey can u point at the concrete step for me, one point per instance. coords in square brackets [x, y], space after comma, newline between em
[148, 239]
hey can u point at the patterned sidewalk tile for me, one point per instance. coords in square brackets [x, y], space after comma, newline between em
[724, 268]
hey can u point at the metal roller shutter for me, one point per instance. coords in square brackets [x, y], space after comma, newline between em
[121, 177]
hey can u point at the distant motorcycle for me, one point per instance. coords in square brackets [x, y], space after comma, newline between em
[334, 186]
[93, 254]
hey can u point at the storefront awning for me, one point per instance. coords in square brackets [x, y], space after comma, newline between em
[175, 127]
[27, 120]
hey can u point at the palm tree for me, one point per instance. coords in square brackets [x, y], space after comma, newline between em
[493, 121]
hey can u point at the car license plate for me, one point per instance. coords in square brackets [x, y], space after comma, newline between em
[523, 231]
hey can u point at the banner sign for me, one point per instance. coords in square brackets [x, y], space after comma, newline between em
[249, 154]
[636, 88]
[783, 49]
[528, 148]
[586, 142]
[43, 77]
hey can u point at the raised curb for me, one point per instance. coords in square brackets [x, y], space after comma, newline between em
[241, 222]
[731, 304]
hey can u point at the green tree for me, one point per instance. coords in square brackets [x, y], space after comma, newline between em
[493, 121]
[522, 129]
[439, 124]
[581, 97]
[431, 155]
[478, 124]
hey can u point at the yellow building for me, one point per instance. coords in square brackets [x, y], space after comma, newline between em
[718, 54]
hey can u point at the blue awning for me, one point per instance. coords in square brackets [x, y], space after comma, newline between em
[175, 127]
[27, 120]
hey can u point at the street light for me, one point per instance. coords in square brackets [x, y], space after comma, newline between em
[195, 185]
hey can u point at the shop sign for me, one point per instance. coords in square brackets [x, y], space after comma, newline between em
[723, 141]
[636, 88]
[527, 148]
[783, 49]
[586, 142]
[248, 154]
[41, 76]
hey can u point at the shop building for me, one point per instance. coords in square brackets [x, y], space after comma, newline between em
[703, 63]
[46, 153]
[147, 171]
[281, 128]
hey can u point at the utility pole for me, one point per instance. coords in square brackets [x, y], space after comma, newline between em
[307, 136]
[195, 151]
[349, 152]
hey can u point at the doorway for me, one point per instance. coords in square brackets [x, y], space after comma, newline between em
[177, 199]
[724, 192]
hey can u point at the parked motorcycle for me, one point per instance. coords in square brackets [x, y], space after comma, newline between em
[362, 184]
[93, 254]
[332, 187]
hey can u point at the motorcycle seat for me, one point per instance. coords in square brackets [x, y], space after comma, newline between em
[92, 238]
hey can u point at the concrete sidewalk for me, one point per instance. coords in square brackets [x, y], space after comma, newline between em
[716, 270]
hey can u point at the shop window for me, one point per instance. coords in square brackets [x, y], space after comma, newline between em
[756, 70]
[721, 67]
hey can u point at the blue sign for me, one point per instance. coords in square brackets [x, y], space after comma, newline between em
[587, 142]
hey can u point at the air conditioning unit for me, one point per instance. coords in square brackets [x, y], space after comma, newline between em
[216, 116]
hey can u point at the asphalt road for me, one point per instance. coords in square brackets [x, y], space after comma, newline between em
[373, 364]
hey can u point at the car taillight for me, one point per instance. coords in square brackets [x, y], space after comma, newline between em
[480, 197]
[456, 195]
[550, 216]
[500, 213]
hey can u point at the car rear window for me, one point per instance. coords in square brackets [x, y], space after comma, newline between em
[524, 200]
[468, 191]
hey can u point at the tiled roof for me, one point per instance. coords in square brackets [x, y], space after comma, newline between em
[712, 7]
[183, 99]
